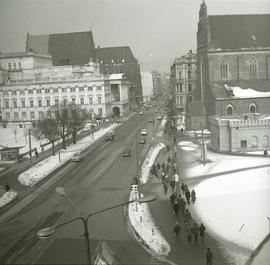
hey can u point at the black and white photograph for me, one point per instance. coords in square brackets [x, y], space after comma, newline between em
[135, 132]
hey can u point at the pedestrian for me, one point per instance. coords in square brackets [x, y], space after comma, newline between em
[163, 166]
[187, 217]
[162, 176]
[172, 198]
[187, 194]
[195, 232]
[173, 161]
[172, 184]
[7, 187]
[209, 257]
[183, 206]
[176, 208]
[189, 233]
[176, 180]
[158, 166]
[167, 168]
[193, 196]
[183, 187]
[168, 148]
[169, 159]
[165, 187]
[202, 231]
[36, 154]
[177, 229]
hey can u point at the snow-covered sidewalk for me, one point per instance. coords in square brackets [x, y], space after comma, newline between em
[42, 169]
[7, 197]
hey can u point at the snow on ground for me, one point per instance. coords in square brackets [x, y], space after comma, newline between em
[142, 221]
[42, 169]
[149, 161]
[235, 204]
[188, 146]
[7, 197]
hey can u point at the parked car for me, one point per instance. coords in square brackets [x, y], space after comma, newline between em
[109, 136]
[159, 117]
[126, 152]
[77, 157]
[144, 132]
[151, 120]
[142, 140]
[140, 113]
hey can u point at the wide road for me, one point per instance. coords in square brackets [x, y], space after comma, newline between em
[100, 180]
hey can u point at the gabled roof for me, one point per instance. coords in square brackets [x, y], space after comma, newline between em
[115, 55]
[239, 31]
[74, 48]
[219, 92]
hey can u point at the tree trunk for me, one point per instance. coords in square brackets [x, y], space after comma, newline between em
[64, 142]
[53, 152]
[74, 138]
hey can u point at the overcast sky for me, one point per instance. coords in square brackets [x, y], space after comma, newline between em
[156, 30]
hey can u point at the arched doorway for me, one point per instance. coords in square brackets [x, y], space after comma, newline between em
[265, 141]
[116, 111]
[254, 141]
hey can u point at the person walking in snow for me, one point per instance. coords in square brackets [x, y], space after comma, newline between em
[195, 232]
[187, 194]
[169, 159]
[172, 184]
[183, 206]
[176, 208]
[163, 166]
[202, 231]
[189, 233]
[193, 196]
[172, 198]
[165, 187]
[158, 165]
[187, 217]
[167, 168]
[209, 257]
[177, 229]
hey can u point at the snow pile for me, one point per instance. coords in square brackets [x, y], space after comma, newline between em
[42, 169]
[142, 222]
[7, 197]
[149, 161]
[187, 146]
[247, 93]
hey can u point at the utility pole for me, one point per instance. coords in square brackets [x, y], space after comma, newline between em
[203, 148]
[30, 149]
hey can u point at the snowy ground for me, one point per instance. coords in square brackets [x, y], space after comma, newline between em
[7, 197]
[42, 169]
[233, 205]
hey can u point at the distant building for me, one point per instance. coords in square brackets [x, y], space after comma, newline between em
[147, 86]
[31, 85]
[232, 50]
[240, 133]
[77, 48]
[183, 80]
[157, 82]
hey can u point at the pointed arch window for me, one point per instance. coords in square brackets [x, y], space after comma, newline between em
[224, 69]
[229, 109]
[253, 67]
[252, 108]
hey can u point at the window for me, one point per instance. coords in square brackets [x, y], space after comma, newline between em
[181, 87]
[23, 103]
[265, 141]
[181, 100]
[6, 103]
[90, 88]
[47, 90]
[5, 92]
[224, 70]
[98, 87]
[72, 89]
[99, 100]
[31, 103]
[178, 100]
[189, 87]
[190, 98]
[189, 74]
[30, 91]
[15, 103]
[14, 66]
[56, 101]
[22, 92]
[24, 116]
[73, 100]
[16, 115]
[177, 88]
[9, 66]
[65, 101]
[55, 90]
[81, 89]
[82, 101]
[252, 108]
[229, 110]
[64, 89]
[40, 115]
[243, 144]
[14, 92]
[91, 100]
[254, 141]
[100, 112]
[253, 68]
[48, 102]
[32, 115]
[20, 65]
[39, 102]
[180, 75]
[39, 91]
[7, 116]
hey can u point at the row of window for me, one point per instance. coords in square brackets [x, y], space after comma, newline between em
[180, 100]
[48, 90]
[179, 87]
[253, 69]
[48, 102]
[38, 115]
[189, 75]
[15, 66]
[230, 109]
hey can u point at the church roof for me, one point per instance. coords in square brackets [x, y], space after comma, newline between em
[74, 48]
[219, 90]
[239, 31]
[116, 55]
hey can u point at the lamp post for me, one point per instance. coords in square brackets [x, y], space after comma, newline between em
[47, 231]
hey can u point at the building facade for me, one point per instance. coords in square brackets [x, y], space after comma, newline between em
[31, 87]
[183, 80]
[147, 86]
[232, 50]
[240, 133]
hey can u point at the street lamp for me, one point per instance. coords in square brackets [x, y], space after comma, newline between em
[47, 231]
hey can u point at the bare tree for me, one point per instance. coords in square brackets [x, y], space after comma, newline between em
[76, 121]
[48, 128]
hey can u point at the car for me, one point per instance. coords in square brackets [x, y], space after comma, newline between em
[140, 113]
[126, 152]
[159, 117]
[142, 140]
[77, 157]
[109, 136]
[144, 132]
[151, 120]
